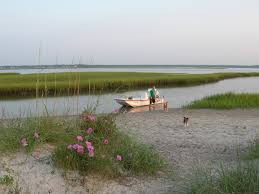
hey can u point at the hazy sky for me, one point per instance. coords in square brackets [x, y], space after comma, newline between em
[130, 32]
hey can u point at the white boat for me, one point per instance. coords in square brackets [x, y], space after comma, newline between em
[128, 109]
[136, 102]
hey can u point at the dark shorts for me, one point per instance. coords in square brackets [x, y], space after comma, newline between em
[152, 100]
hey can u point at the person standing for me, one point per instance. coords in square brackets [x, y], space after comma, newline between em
[153, 95]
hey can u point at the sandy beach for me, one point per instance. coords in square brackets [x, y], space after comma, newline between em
[213, 137]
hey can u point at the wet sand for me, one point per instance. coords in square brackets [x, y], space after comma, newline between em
[213, 137]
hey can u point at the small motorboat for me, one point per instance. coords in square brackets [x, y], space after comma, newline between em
[129, 109]
[138, 101]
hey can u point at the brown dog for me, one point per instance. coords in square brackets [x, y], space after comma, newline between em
[166, 106]
[186, 121]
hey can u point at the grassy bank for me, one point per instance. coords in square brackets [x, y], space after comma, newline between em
[88, 145]
[227, 101]
[239, 180]
[51, 84]
[254, 151]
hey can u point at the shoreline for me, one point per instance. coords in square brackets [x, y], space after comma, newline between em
[213, 137]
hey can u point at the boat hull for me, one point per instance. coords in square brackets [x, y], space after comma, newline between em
[137, 102]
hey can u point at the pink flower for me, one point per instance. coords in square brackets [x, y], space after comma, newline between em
[106, 141]
[88, 144]
[80, 149]
[91, 153]
[89, 131]
[91, 118]
[36, 135]
[79, 138]
[24, 142]
[70, 147]
[119, 158]
[90, 149]
[75, 146]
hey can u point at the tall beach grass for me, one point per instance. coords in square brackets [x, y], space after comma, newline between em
[241, 179]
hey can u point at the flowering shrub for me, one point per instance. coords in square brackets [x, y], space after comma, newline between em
[89, 135]
[98, 146]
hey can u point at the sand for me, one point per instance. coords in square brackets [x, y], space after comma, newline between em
[213, 137]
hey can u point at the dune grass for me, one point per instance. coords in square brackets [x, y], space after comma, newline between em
[227, 101]
[243, 178]
[253, 152]
[136, 158]
[18, 85]
[6, 180]
[52, 131]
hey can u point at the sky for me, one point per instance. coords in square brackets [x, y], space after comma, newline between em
[129, 32]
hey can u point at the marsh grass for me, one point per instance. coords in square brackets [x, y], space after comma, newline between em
[138, 159]
[62, 83]
[227, 101]
[241, 179]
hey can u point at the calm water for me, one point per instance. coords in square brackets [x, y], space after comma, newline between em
[176, 97]
[171, 69]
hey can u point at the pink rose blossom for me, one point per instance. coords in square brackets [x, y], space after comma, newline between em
[24, 142]
[91, 153]
[119, 158]
[89, 131]
[80, 149]
[36, 135]
[88, 144]
[70, 147]
[91, 118]
[106, 141]
[79, 138]
[75, 146]
[90, 149]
